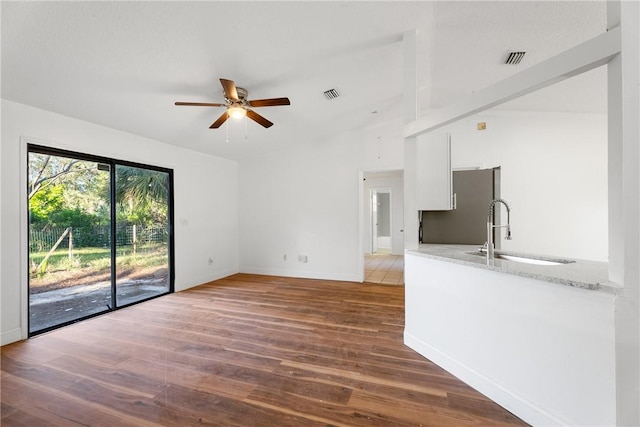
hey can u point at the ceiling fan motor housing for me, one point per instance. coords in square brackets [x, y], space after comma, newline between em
[242, 93]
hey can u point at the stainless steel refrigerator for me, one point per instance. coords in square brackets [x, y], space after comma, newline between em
[467, 223]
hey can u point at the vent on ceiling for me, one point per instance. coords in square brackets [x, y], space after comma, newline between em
[514, 58]
[331, 94]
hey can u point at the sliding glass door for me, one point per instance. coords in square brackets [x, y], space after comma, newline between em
[100, 235]
[142, 233]
[69, 245]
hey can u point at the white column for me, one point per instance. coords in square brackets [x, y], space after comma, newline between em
[614, 87]
[624, 205]
[416, 99]
[410, 109]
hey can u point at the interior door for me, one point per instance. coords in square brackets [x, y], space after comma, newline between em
[374, 221]
[384, 219]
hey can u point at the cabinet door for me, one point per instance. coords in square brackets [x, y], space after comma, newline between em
[434, 178]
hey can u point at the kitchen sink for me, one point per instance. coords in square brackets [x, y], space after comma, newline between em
[527, 259]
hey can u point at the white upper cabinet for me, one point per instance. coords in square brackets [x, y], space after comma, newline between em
[434, 177]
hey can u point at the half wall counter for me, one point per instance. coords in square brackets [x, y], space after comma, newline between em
[537, 338]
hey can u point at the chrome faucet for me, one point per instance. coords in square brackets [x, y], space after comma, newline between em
[491, 226]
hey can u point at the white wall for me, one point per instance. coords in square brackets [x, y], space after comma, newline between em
[393, 181]
[304, 200]
[553, 174]
[205, 200]
[307, 200]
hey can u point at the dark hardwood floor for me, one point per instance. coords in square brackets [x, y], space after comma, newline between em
[242, 351]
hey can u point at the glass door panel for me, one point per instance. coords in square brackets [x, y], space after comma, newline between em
[69, 239]
[142, 234]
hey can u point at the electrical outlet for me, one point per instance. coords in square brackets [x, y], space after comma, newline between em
[302, 258]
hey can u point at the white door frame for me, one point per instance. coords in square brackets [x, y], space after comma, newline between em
[363, 213]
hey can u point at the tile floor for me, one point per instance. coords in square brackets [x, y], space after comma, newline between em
[384, 268]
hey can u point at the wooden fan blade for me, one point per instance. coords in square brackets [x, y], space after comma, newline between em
[271, 102]
[200, 104]
[223, 118]
[229, 89]
[258, 119]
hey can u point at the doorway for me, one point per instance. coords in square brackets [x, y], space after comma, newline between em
[380, 209]
[99, 233]
[383, 234]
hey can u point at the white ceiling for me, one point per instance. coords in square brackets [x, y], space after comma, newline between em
[124, 64]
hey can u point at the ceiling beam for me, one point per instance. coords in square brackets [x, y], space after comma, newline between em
[579, 59]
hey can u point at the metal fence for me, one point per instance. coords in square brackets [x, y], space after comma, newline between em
[85, 237]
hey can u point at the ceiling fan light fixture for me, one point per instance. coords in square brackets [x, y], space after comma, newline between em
[238, 106]
[236, 112]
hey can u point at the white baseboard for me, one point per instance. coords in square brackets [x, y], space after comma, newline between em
[302, 274]
[515, 404]
[10, 336]
[194, 283]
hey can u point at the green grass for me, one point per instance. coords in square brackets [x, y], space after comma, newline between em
[99, 259]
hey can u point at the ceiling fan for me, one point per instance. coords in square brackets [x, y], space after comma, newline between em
[238, 105]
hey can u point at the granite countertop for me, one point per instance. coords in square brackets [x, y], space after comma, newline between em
[592, 275]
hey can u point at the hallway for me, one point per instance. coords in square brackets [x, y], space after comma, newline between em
[384, 268]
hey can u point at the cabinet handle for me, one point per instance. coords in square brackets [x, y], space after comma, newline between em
[455, 200]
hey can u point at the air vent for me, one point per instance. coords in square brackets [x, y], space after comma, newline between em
[331, 94]
[514, 58]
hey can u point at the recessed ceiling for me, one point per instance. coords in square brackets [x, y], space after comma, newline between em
[124, 64]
